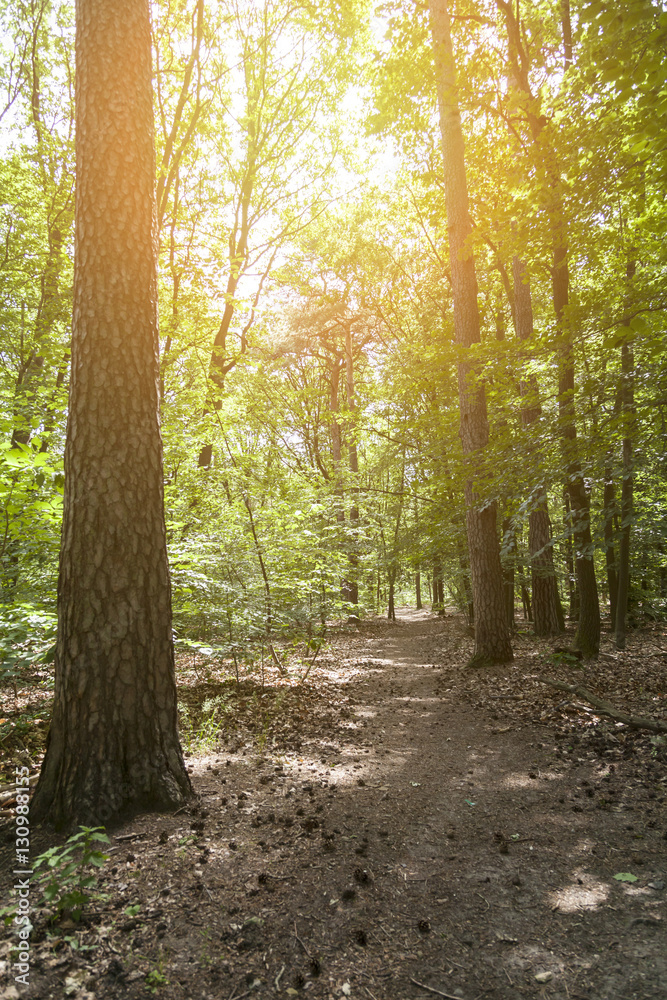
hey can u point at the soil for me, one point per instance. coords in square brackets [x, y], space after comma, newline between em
[394, 827]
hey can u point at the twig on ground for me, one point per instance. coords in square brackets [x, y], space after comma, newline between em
[430, 989]
[634, 721]
[296, 935]
[305, 676]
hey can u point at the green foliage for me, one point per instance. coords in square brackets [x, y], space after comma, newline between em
[202, 735]
[70, 873]
[155, 980]
[27, 637]
[300, 196]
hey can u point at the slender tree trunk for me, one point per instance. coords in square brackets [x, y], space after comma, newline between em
[48, 311]
[437, 587]
[418, 590]
[525, 594]
[113, 744]
[627, 488]
[492, 639]
[572, 587]
[610, 554]
[588, 626]
[588, 629]
[547, 611]
[352, 581]
[222, 362]
[337, 456]
[262, 565]
[391, 611]
[509, 538]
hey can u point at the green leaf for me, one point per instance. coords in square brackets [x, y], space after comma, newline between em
[625, 877]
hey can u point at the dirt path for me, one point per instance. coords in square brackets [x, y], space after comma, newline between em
[410, 839]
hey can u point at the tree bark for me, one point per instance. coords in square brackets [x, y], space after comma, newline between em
[113, 744]
[548, 616]
[418, 590]
[492, 639]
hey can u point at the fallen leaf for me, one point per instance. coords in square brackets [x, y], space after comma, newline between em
[625, 877]
[544, 977]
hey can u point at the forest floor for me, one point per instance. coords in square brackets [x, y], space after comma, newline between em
[396, 827]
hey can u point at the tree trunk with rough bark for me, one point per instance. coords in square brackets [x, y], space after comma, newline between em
[548, 615]
[492, 638]
[113, 745]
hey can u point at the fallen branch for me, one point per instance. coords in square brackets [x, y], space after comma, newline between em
[11, 787]
[274, 657]
[8, 792]
[634, 721]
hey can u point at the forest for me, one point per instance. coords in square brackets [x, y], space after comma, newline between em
[310, 411]
[323, 325]
[313, 460]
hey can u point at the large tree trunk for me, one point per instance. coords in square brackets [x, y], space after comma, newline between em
[113, 745]
[492, 639]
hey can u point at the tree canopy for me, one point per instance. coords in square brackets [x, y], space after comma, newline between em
[311, 416]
